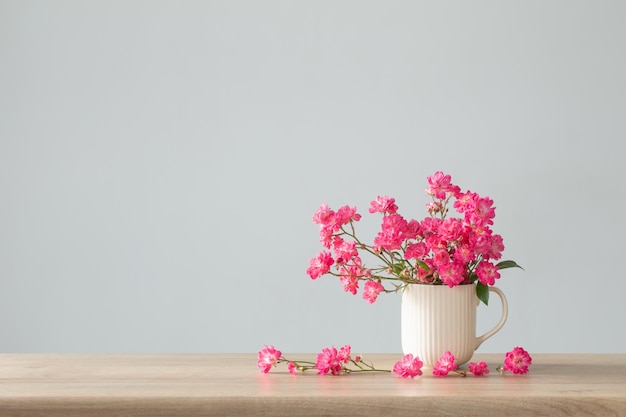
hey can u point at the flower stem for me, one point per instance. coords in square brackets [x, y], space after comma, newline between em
[367, 370]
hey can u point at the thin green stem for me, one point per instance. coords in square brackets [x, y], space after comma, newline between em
[362, 366]
[364, 246]
[367, 370]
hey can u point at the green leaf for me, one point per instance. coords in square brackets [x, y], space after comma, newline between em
[398, 267]
[422, 265]
[508, 264]
[482, 292]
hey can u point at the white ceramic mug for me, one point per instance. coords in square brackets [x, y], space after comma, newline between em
[436, 318]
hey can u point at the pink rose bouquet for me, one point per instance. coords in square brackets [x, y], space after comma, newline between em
[437, 250]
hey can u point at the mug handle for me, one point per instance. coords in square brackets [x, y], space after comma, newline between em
[505, 313]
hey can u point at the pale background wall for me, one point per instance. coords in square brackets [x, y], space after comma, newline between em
[160, 163]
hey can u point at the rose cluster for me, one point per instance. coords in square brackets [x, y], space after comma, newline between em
[436, 250]
[335, 362]
[329, 361]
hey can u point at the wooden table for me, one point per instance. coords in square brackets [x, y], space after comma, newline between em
[231, 385]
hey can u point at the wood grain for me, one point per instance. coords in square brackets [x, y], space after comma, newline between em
[231, 385]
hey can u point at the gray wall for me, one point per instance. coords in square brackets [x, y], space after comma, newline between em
[160, 163]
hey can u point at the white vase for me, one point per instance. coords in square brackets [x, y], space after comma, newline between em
[436, 318]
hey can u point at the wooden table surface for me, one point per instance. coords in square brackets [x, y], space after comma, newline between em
[231, 385]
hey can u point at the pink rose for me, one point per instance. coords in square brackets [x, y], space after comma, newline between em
[430, 225]
[320, 265]
[483, 212]
[371, 291]
[517, 361]
[451, 229]
[413, 230]
[393, 233]
[328, 361]
[487, 273]
[463, 254]
[268, 357]
[344, 251]
[293, 369]
[408, 367]
[324, 215]
[416, 250]
[465, 202]
[495, 248]
[439, 184]
[479, 368]
[344, 354]
[384, 204]
[349, 280]
[346, 214]
[451, 274]
[445, 364]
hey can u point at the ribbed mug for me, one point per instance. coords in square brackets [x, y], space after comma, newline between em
[436, 319]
